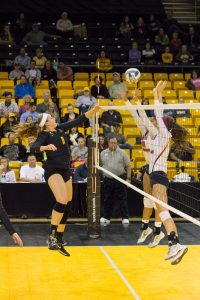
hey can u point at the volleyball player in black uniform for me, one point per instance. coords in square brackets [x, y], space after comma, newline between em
[52, 139]
[8, 225]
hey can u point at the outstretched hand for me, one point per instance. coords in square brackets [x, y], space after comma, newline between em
[157, 91]
[92, 111]
[16, 238]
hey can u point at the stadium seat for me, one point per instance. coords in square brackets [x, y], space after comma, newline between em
[169, 94]
[195, 141]
[131, 91]
[4, 141]
[131, 86]
[178, 84]
[139, 164]
[39, 92]
[17, 174]
[146, 76]
[109, 76]
[63, 93]
[119, 102]
[6, 84]
[11, 90]
[193, 132]
[94, 74]
[103, 102]
[44, 84]
[186, 122]
[64, 84]
[15, 164]
[187, 76]
[198, 95]
[188, 164]
[148, 94]
[3, 120]
[137, 155]
[128, 121]
[80, 84]
[176, 76]
[81, 76]
[172, 101]
[186, 94]
[171, 165]
[146, 85]
[171, 173]
[3, 75]
[160, 76]
[65, 102]
[131, 131]
[108, 83]
[131, 140]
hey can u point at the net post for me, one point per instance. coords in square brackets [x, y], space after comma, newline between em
[93, 193]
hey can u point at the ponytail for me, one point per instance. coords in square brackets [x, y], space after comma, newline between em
[25, 130]
[179, 133]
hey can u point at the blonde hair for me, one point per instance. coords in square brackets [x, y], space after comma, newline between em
[25, 97]
[26, 130]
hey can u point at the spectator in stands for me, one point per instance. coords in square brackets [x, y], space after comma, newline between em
[23, 59]
[29, 119]
[115, 88]
[36, 36]
[85, 101]
[167, 56]
[170, 24]
[31, 140]
[70, 115]
[48, 73]
[8, 106]
[193, 38]
[103, 63]
[74, 134]
[24, 88]
[184, 56]
[102, 142]
[39, 59]
[32, 172]
[121, 140]
[148, 54]
[180, 113]
[81, 172]
[32, 74]
[162, 38]
[6, 174]
[26, 104]
[181, 151]
[194, 82]
[6, 36]
[44, 106]
[109, 119]
[140, 29]
[64, 72]
[30, 112]
[99, 90]
[16, 73]
[20, 26]
[153, 26]
[13, 151]
[53, 112]
[79, 152]
[64, 25]
[175, 42]
[183, 176]
[116, 161]
[134, 54]
[126, 27]
[7, 127]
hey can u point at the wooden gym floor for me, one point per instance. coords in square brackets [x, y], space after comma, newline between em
[109, 268]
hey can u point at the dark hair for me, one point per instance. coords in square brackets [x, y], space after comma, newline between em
[25, 130]
[182, 169]
[31, 154]
[111, 136]
[8, 167]
[179, 133]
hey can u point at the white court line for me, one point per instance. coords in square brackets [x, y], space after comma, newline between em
[121, 275]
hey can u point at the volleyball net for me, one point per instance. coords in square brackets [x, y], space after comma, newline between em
[184, 156]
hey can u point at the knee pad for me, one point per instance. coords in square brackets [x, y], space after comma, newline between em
[59, 207]
[164, 215]
[148, 203]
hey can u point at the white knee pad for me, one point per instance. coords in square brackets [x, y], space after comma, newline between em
[148, 203]
[164, 215]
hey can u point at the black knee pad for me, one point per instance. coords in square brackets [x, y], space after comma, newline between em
[59, 207]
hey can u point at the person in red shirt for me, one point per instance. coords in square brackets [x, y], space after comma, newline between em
[64, 72]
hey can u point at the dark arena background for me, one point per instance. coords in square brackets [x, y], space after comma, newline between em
[63, 58]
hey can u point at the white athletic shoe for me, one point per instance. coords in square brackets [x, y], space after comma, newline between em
[104, 221]
[125, 221]
[156, 239]
[144, 234]
[173, 252]
[178, 257]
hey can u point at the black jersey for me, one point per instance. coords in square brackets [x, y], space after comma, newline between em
[5, 219]
[60, 158]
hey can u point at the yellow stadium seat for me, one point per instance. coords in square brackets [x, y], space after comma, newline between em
[109, 76]
[197, 122]
[190, 101]
[3, 120]
[81, 76]
[137, 154]
[160, 76]
[179, 84]
[103, 102]
[82, 130]
[40, 91]
[171, 173]
[168, 85]
[94, 74]
[63, 93]
[148, 94]
[125, 113]
[130, 86]
[195, 112]
[187, 76]
[64, 84]
[188, 164]
[186, 94]
[44, 84]
[4, 141]
[139, 164]
[176, 76]
[17, 174]
[172, 101]
[169, 94]
[64, 102]
[146, 85]
[20, 102]
[3, 75]
[186, 122]
[193, 132]
[88, 131]
[14, 164]
[198, 95]
[131, 131]
[131, 91]
[80, 84]
[171, 164]
[127, 151]
[131, 140]
[195, 141]
[146, 76]
[119, 102]
[128, 121]
[7, 84]
[108, 83]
